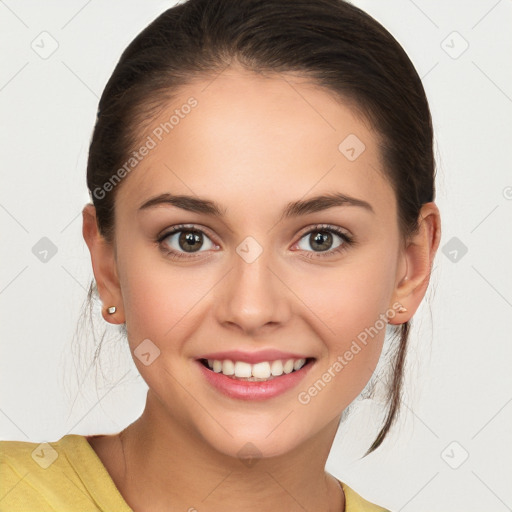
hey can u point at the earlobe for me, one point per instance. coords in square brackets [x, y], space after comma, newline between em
[419, 256]
[112, 315]
[104, 267]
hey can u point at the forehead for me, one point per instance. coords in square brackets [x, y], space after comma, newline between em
[253, 140]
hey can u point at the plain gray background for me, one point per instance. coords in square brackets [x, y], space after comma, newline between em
[451, 449]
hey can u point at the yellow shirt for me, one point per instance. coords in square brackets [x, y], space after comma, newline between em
[68, 476]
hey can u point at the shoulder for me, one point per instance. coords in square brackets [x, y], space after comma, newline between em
[356, 503]
[35, 458]
[49, 476]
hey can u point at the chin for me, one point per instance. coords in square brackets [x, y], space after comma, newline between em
[251, 444]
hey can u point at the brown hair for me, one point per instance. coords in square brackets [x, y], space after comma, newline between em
[338, 46]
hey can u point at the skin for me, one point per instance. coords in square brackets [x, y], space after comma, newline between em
[253, 144]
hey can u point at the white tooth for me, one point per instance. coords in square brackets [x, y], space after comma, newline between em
[299, 363]
[242, 369]
[261, 370]
[288, 366]
[228, 367]
[276, 368]
[217, 366]
[210, 363]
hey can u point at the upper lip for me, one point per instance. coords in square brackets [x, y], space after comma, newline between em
[252, 357]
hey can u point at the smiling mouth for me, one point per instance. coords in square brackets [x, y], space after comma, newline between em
[259, 372]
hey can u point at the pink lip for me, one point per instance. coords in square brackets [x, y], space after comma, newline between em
[252, 357]
[246, 390]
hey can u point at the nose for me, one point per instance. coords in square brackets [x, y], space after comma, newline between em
[253, 298]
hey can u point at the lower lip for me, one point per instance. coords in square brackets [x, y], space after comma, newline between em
[247, 390]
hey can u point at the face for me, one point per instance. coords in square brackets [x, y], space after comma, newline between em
[250, 274]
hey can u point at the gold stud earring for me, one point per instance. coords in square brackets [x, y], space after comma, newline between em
[111, 310]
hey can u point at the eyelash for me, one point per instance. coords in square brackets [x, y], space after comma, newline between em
[348, 241]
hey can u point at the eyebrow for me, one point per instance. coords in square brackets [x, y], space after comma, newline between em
[293, 209]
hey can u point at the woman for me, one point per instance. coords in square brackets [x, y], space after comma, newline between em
[262, 208]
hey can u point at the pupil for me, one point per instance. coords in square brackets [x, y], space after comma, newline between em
[190, 240]
[321, 237]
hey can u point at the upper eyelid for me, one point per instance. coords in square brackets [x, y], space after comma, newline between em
[326, 227]
[184, 227]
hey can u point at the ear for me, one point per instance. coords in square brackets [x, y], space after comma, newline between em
[416, 263]
[104, 266]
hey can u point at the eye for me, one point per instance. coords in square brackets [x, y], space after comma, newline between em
[325, 239]
[182, 240]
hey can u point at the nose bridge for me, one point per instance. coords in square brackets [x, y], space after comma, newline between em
[253, 297]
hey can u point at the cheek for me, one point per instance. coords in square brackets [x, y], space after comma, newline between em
[348, 298]
[161, 300]
[348, 307]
